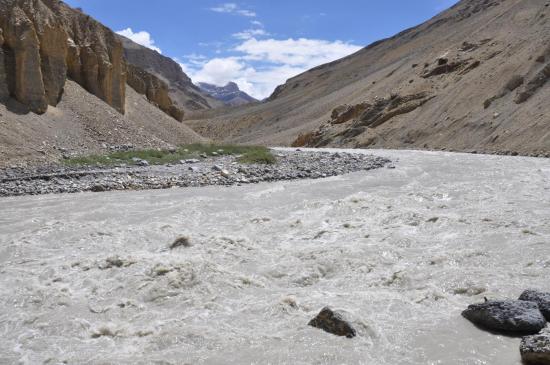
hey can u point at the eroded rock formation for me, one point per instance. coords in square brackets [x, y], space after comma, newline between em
[349, 121]
[44, 41]
[155, 89]
[4, 92]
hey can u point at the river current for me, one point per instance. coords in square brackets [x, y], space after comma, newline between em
[89, 278]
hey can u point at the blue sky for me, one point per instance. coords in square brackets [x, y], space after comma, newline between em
[257, 43]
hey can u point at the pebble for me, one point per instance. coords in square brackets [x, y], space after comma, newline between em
[191, 160]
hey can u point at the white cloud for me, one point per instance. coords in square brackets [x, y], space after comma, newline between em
[263, 64]
[247, 13]
[143, 38]
[302, 52]
[220, 71]
[195, 59]
[250, 33]
[225, 8]
[232, 8]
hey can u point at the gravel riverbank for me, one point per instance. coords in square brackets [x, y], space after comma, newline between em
[222, 170]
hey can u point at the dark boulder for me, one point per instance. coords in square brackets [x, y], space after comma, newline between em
[512, 316]
[182, 241]
[333, 322]
[541, 298]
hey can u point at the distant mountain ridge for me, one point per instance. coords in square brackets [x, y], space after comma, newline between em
[473, 78]
[229, 94]
[184, 94]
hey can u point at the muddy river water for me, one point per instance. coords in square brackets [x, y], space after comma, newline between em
[89, 279]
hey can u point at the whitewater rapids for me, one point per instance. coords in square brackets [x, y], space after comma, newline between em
[89, 279]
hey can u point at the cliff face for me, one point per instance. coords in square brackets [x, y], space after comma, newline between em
[44, 41]
[4, 92]
[155, 89]
[63, 76]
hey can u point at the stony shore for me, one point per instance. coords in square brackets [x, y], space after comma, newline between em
[222, 170]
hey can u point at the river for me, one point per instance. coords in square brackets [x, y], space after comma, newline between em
[89, 279]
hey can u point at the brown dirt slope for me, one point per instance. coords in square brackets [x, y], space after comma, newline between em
[472, 78]
[83, 124]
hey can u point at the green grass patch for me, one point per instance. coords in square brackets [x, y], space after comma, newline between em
[247, 154]
[259, 156]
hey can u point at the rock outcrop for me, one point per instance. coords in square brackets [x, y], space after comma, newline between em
[349, 121]
[4, 91]
[343, 113]
[534, 84]
[155, 89]
[508, 316]
[46, 41]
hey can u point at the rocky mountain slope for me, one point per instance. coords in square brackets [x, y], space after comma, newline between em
[184, 94]
[473, 78]
[63, 86]
[229, 94]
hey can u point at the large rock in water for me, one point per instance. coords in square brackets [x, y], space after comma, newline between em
[333, 322]
[541, 298]
[516, 316]
[536, 349]
[44, 41]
